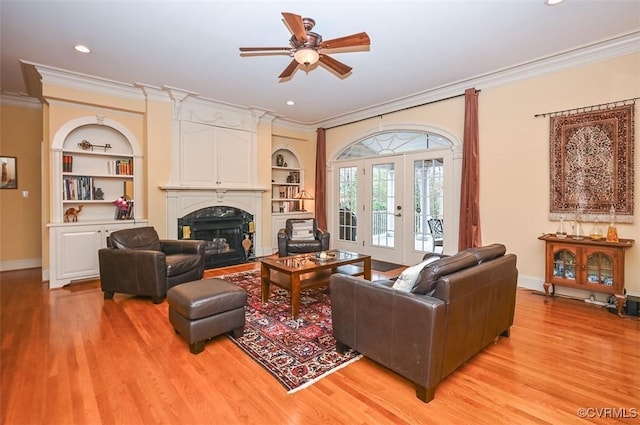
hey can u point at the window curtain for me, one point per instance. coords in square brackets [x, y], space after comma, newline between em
[470, 235]
[321, 180]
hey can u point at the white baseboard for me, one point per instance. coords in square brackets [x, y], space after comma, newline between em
[537, 284]
[28, 263]
[531, 282]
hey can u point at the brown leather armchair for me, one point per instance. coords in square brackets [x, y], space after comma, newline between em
[138, 262]
[455, 306]
[300, 236]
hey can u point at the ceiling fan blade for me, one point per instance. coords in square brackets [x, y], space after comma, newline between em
[259, 49]
[335, 65]
[289, 70]
[360, 39]
[294, 22]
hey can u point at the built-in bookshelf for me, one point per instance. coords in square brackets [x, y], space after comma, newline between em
[286, 181]
[97, 169]
[92, 163]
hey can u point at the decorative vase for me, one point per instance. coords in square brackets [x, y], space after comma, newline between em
[578, 233]
[596, 231]
[612, 231]
[561, 232]
[246, 244]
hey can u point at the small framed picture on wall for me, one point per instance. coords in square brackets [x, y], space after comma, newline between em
[9, 172]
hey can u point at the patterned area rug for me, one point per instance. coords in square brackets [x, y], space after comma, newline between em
[296, 352]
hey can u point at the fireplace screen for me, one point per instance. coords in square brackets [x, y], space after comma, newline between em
[226, 230]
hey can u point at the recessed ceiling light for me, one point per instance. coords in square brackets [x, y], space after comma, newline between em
[290, 102]
[553, 2]
[82, 48]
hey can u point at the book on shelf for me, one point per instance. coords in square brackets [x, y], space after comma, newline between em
[120, 167]
[67, 163]
[125, 214]
[288, 192]
[78, 188]
[128, 189]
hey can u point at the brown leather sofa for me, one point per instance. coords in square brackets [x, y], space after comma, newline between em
[138, 262]
[291, 244]
[457, 306]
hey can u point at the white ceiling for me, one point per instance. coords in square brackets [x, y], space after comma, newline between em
[416, 46]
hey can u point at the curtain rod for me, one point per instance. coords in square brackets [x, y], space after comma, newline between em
[399, 110]
[589, 108]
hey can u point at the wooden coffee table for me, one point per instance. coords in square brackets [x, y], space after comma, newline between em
[306, 271]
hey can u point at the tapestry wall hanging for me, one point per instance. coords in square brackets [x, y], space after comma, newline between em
[591, 168]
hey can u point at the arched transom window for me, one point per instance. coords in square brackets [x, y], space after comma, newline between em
[393, 142]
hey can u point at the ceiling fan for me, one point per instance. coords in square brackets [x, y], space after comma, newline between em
[306, 46]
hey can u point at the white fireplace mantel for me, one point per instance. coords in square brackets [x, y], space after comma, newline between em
[183, 200]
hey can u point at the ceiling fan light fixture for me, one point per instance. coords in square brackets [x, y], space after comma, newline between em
[306, 56]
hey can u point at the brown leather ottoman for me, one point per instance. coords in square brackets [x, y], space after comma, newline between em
[203, 309]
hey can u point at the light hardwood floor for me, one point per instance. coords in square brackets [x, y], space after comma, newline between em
[70, 357]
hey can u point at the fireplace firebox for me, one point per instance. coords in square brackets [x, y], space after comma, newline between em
[228, 231]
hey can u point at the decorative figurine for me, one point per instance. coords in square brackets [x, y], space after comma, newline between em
[71, 214]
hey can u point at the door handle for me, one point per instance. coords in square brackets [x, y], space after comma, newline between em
[398, 214]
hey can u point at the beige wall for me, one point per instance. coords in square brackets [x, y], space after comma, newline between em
[514, 152]
[21, 136]
[157, 162]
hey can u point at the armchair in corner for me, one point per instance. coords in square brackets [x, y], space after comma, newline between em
[301, 236]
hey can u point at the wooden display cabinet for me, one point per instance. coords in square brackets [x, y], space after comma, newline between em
[587, 264]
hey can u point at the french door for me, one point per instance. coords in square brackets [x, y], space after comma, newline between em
[385, 205]
[371, 209]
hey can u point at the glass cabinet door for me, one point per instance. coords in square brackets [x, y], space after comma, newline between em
[564, 264]
[600, 269]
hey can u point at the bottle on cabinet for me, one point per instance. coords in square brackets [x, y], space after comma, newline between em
[612, 231]
[561, 231]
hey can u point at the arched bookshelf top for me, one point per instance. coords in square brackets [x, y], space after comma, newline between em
[102, 128]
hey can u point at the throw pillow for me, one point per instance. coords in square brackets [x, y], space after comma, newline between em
[302, 230]
[407, 278]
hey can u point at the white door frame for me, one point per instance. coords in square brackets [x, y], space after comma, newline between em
[453, 179]
[364, 243]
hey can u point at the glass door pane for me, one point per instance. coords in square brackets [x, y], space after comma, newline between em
[564, 264]
[348, 205]
[383, 202]
[600, 269]
[428, 203]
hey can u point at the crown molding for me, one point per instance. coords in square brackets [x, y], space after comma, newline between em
[38, 74]
[20, 100]
[621, 45]
[294, 125]
[153, 93]
[627, 43]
